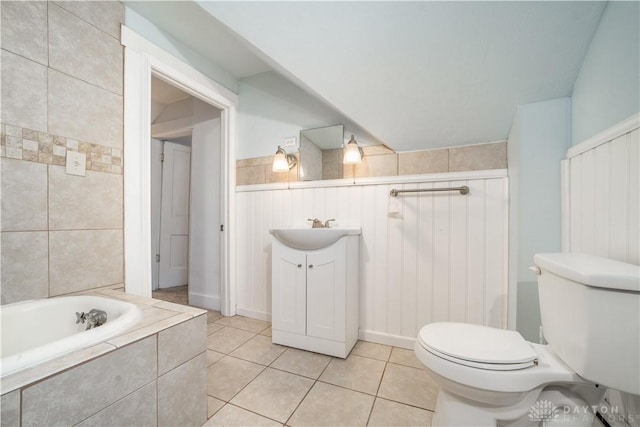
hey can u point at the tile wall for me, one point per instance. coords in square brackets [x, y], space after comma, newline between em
[379, 160]
[62, 90]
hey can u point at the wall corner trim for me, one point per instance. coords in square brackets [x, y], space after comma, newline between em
[620, 128]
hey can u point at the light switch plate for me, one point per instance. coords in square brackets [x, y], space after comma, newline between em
[76, 163]
[290, 142]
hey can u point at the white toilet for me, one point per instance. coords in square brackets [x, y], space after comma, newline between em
[590, 310]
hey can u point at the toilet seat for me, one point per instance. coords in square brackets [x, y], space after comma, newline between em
[479, 347]
[439, 358]
[479, 365]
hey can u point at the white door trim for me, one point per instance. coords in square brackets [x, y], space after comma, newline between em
[142, 60]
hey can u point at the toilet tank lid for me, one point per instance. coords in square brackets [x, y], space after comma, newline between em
[591, 270]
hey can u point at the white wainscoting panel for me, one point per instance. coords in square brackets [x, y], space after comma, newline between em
[443, 259]
[604, 202]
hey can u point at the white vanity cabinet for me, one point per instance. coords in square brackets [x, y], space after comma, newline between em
[315, 296]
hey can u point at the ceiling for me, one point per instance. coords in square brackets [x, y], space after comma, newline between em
[416, 75]
[187, 22]
[165, 93]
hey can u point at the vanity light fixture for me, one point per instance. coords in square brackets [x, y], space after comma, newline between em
[352, 153]
[283, 162]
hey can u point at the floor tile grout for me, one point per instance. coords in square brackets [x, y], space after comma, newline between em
[263, 368]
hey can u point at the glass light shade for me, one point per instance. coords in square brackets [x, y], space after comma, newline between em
[352, 153]
[280, 162]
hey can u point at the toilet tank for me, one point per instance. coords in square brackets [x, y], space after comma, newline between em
[590, 310]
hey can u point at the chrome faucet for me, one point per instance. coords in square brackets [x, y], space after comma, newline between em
[94, 318]
[318, 224]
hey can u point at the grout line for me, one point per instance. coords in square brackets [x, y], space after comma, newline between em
[87, 22]
[308, 391]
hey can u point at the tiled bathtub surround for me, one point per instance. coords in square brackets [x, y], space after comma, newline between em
[62, 86]
[27, 144]
[381, 161]
[153, 374]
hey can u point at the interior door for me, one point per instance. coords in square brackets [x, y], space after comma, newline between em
[156, 196]
[174, 222]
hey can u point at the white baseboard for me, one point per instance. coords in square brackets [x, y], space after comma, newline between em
[204, 301]
[387, 339]
[254, 314]
[371, 336]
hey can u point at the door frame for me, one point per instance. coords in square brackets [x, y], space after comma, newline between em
[142, 60]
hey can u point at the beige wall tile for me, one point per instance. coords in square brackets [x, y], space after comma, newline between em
[82, 111]
[24, 92]
[478, 157]
[85, 259]
[332, 163]
[180, 343]
[374, 150]
[254, 161]
[94, 201]
[74, 395]
[24, 195]
[81, 50]
[382, 165]
[10, 408]
[137, 409]
[429, 161]
[250, 175]
[24, 29]
[270, 176]
[25, 273]
[182, 394]
[105, 15]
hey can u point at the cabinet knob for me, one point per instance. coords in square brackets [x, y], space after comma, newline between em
[299, 265]
[310, 265]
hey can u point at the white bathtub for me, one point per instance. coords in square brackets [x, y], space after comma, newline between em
[38, 330]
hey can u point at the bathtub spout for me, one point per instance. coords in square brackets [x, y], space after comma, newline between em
[94, 318]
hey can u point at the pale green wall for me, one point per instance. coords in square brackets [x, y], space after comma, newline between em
[152, 33]
[538, 142]
[607, 89]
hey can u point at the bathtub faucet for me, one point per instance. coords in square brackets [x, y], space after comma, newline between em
[94, 318]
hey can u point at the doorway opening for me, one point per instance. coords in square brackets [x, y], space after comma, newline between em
[185, 197]
[142, 61]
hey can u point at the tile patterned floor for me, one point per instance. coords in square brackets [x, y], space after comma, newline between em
[252, 382]
[178, 294]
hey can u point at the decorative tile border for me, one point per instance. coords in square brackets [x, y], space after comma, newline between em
[33, 146]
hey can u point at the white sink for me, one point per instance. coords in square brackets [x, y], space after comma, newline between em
[312, 238]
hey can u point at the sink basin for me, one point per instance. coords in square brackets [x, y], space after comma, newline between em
[312, 238]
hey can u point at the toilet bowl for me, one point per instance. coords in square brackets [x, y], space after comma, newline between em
[489, 376]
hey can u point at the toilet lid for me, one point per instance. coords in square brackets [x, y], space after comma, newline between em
[478, 346]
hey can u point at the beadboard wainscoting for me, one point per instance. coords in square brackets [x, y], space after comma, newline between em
[604, 190]
[444, 258]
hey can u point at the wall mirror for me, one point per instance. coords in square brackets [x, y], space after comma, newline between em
[321, 153]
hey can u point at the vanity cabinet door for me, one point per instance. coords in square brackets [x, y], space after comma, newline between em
[289, 294]
[326, 283]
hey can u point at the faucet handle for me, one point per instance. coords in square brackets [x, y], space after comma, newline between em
[326, 223]
[316, 223]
